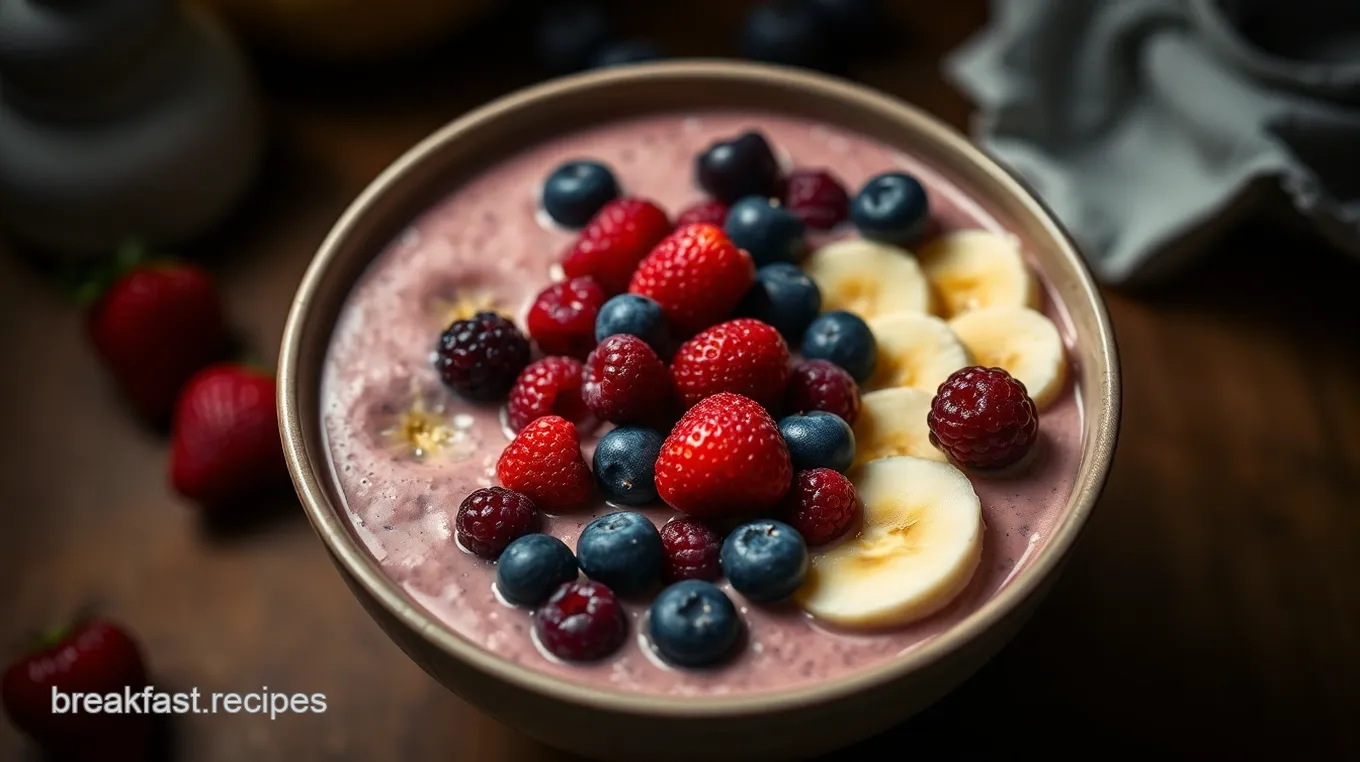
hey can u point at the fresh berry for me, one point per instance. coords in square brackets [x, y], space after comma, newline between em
[577, 190]
[816, 197]
[551, 386]
[625, 465]
[891, 207]
[634, 315]
[844, 339]
[765, 560]
[544, 463]
[491, 517]
[744, 356]
[725, 457]
[479, 358]
[225, 443]
[625, 382]
[569, 34]
[691, 550]
[613, 243]
[562, 320]
[983, 418]
[822, 385]
[738, 167]
[767, 232]
[626, 52]
[581, 621]
[710, 212]
[532, 567]
[694, 624]
[621, 550]
[818, 440]
[786, 298]
[155, 327]
[697, 276]
[786, 33]
[821, 505]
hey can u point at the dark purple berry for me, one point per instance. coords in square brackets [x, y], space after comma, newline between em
[481, 357]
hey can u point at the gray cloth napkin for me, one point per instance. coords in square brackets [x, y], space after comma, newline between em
[1140, 122]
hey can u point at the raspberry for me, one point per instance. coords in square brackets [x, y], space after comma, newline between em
[491, 518]
[821, 505]
[480, 357]
[544, 463]
[822, 385]
[562, 320]
[697, 276]
[744, 356]
[551, 386]
[983, 418]
[582, 621]
[625, 382]
[691, 551]
[612, 244]
[817, 197]
[711, 212]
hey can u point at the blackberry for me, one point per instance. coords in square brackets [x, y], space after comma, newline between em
[480, 358]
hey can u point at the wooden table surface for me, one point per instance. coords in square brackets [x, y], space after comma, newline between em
[1214, 605]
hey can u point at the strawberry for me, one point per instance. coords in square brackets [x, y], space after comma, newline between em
[697, 276]
[625, 382]
[544, 463]
[611, 245]
[225, 436]
[725, 457]
[744, 356]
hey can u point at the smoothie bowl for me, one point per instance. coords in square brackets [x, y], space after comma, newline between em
[698, 408]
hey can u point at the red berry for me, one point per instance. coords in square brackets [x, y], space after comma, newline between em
[710, 212]
[493, 517]
[817, 197]
[625, 382]
[612, 244]
[744, 356]
[691, 550]
[225, 437]
[821, 505]
[822, 385]
[551, 386]
[544, 463]
[697, 276]
[725, 457]
[983, 418]
[479, 358]
[562, 320]
[582, 621]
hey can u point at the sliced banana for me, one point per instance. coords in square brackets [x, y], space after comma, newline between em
[920, 544]
[915, 350]
[972, 269]
[892, 422]
[1021, 341]
[868, 278]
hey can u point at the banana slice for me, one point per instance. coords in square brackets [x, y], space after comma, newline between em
[892, 422]
[1020, 341]
[915, 350]
[920, 544]
[972, 269]
[868, 278]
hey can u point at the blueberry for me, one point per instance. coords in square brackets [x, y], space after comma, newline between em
[694, 624]
[765, 560]
[767, 232]
[626, 52]
[569, 34]
[621, 550]
[532, 567]
[818, 440]
[845, 339]
[786, 298]
[634, 315]
[576, 190]
[891, 207]
[785, 32]
[743, 166]
[625, 465]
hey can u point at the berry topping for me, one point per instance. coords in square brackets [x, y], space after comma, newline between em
[625, 382]
[490, 518]
[725, 457]
[532, 567]
[821, 505]
[551, 386]
[562, 320]
[581, 621]
[708, 212]
[845, 339]
[544, 463]
[822, 385]
[691, 549]
[983, 418]
[892, 207]
[577, 190]
[613, 243]
[744, 356]
[625, 465]
[785, 33]
[742, 166]
[767, 232]
[479, 358]
[785, 297]
[697, 276]
[694, 624]
[817, 197]
[818, 440]
[626, 52]
[765, 560]
[634, 315]
[621, 550]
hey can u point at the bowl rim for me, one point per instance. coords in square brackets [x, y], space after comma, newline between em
[358, 563]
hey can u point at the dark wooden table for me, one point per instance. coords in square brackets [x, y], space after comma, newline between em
[1214, 607]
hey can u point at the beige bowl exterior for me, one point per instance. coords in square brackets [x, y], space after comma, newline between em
[614, 726]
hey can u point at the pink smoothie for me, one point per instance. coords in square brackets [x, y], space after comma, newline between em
[486, 242]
